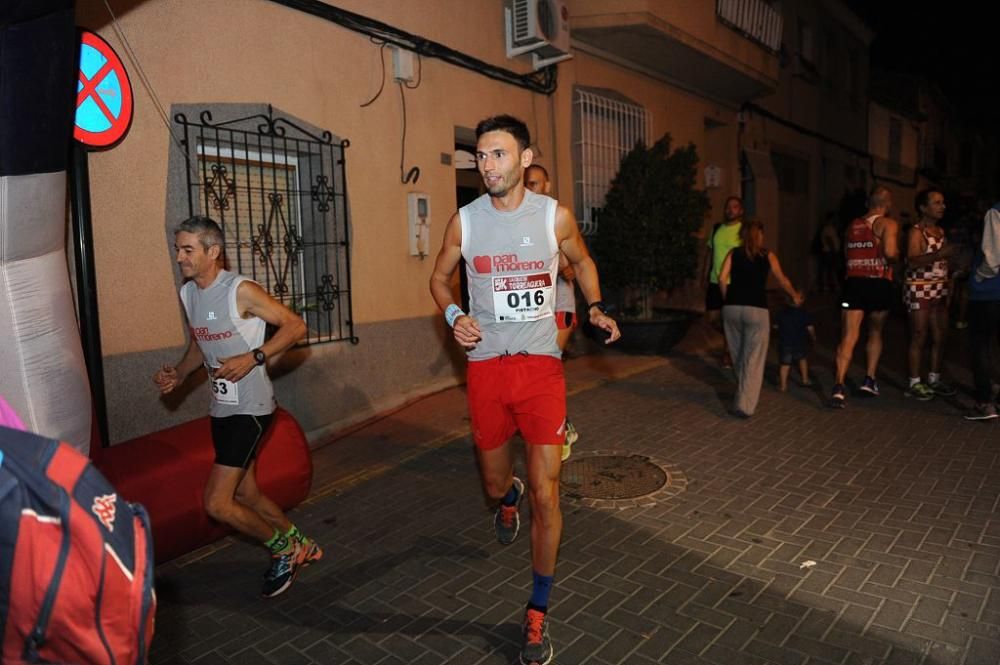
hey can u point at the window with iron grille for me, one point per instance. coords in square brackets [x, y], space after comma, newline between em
[278, 192]
[606, 126]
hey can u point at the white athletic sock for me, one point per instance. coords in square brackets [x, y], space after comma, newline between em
[914, 381]
[933, 378]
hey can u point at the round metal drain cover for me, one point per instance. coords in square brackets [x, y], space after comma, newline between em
[612, 477]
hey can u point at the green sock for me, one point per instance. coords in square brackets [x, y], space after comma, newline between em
[277, 543]
[293, 533]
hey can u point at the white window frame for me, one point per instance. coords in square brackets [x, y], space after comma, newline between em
[608, 129]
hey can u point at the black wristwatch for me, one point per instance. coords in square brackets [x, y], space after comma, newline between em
[599, 304]
[259, 356]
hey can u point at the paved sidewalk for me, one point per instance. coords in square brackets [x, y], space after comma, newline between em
[805, 535]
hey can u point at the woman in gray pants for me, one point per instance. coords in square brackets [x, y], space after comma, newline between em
[745, 319]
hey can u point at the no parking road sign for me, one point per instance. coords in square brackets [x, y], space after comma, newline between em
[103, 95]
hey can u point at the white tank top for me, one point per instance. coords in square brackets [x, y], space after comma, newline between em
[512, 259]
[220, 332]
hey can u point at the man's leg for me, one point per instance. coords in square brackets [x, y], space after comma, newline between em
[804, 371]
[221, 505]
[783, 371]
[984, 321]
[566, 324]
[850, 325]
[939, 332]
[496, 470]
[232, 497]
[248, 493]
[546, 532]
[546, 518]
[876, 321]
[713, 314]
[918, 337]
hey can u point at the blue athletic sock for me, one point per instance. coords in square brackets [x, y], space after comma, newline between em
[510, 498]
[540, 590]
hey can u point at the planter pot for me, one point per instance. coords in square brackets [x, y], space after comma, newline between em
[649, 336]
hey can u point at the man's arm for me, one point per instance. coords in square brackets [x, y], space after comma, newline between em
[727, 266]
[253, 300]
[710, 255]
[890, 238]
[571, 244]
[466, 328]
[169, 377]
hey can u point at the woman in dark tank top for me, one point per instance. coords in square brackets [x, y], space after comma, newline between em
[747, 324]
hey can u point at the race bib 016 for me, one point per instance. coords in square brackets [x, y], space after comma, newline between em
[518, 298]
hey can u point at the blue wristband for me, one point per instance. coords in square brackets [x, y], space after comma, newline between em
[451, 313]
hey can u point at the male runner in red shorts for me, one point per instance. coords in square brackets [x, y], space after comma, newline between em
[511, 239]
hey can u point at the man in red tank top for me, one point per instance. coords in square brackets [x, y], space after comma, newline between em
[870, 247]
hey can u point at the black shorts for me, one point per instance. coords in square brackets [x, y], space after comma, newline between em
[713, 297]
[867, 294]
[790, 356]
[236, 438]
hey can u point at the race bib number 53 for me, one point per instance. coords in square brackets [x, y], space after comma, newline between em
[225, 392]
[522, 297]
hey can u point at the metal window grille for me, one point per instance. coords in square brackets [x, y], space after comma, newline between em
[755, 19]
[279, 193]
[607, 129]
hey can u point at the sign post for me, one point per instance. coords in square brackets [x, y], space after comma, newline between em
[103, 117]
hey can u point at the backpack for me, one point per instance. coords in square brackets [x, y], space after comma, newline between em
[76, 561]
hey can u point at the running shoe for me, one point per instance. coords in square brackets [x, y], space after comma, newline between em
[870, 386]
[941, 388]
[571, 436]
[284, 568]
[982, 412]
[507, 521]
[838, 399]
[311, 551]
[537, 649]
[920, 391]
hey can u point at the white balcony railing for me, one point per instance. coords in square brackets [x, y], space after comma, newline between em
[756, 19]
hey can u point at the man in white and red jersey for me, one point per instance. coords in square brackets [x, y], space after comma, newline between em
[925, 293]
[511, 239]
[870, 247]
[226, 314]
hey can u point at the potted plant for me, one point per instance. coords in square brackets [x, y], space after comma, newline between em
[646, 242]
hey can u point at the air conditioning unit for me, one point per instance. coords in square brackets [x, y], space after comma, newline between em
[539, 27]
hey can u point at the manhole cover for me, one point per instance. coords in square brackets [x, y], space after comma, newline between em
[612, 477]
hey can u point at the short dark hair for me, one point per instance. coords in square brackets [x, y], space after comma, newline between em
[540, 168]
[506, 123]
[206, 229]
[924, 197]
[879, 197]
